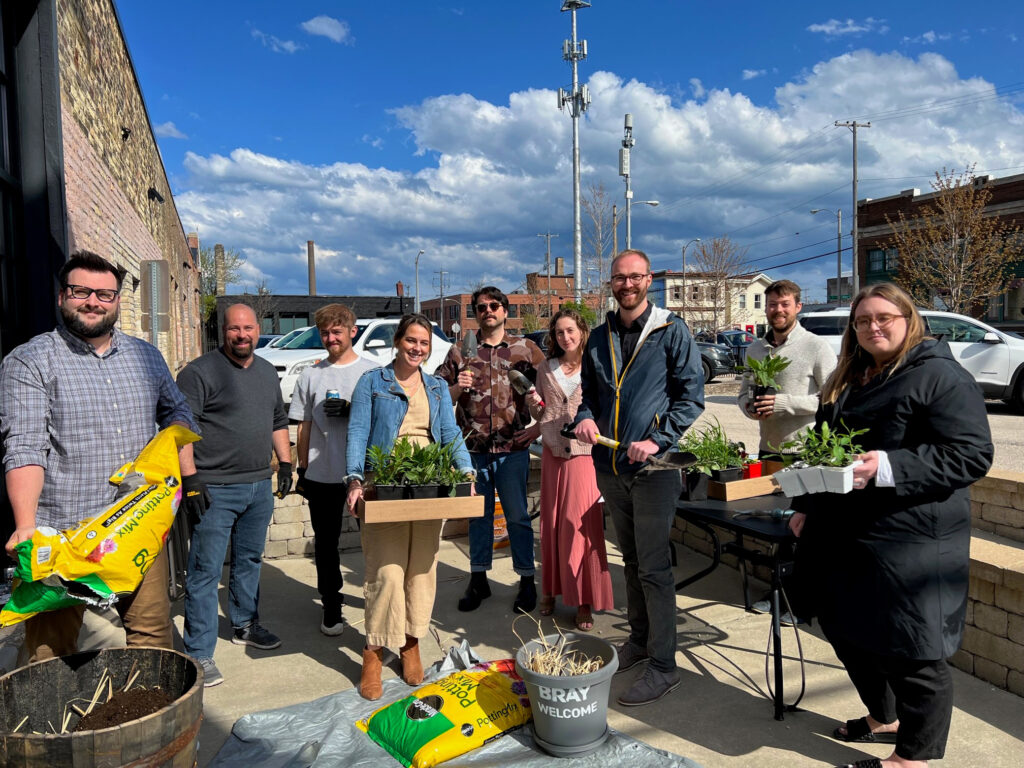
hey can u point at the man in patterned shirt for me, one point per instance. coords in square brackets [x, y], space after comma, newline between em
[76, 404]
[494, 419]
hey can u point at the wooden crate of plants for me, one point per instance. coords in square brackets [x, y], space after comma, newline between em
[742, 489]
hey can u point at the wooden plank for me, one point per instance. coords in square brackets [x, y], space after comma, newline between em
[421, 509]
[742, 489]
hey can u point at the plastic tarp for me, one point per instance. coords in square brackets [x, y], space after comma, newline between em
[322, 734]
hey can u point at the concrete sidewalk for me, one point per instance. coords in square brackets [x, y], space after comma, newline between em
[721, 717]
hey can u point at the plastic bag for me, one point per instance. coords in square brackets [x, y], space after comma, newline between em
[105, 556]
[452, 716]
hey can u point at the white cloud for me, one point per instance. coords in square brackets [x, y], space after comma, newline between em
[168, 130]
[839, 28]
[928, 37]
[750, 74]
[697, 88]
[490, 176]
[374, 141]
[276, 44]
[329, 27]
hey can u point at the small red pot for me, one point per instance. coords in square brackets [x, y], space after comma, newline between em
[752, 470]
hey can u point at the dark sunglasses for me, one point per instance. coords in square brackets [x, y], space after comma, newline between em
[491, 305]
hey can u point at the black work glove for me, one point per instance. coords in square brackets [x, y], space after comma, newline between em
[194, 497]
[300, 488]
[284, 479]
[337, 407]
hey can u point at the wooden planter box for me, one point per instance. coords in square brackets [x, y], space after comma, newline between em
[450, 508]
[742, 489]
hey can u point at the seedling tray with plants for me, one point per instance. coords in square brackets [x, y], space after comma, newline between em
[825, 461]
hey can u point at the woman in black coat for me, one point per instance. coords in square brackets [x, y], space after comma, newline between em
[886, 566]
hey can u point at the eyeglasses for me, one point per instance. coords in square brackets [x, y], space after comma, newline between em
[492, 305]
[862, 324]
[106, 295]
[635, 279]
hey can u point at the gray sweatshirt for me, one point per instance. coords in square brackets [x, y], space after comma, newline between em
[811, 361]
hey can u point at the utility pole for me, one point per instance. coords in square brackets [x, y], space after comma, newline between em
[627, 144]
[578, 100]
[853, 126]
[442, 279]
[615, 232]
[417, 302]
[547, 236]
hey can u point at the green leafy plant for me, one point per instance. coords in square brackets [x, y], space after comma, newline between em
[410, 464]
[713, 448]
[827, 446]
[764, 372]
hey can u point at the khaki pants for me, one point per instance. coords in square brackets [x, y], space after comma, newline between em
[401, 579]
[146, 616]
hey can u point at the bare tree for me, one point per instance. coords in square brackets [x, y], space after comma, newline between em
[952, 251]
[597, 240]
[231, 271]
[719, 261]
[261, 300]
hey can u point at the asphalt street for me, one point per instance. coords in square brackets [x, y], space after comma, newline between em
[1007, 424]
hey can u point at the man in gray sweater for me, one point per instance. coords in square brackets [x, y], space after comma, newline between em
[236, 399]
[811, 362]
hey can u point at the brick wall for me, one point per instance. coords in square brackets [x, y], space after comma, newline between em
[108, 175]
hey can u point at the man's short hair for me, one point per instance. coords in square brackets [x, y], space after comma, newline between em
[490, 292]
[90, 262]
[330, 315]
[784, 288]
[632, 252]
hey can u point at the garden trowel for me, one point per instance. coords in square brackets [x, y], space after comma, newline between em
[521, 384]
[673, 460]
[468, 351]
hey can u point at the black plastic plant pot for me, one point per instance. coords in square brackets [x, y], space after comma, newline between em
[727, 475]
[424, 491]
[460, 489]
[696, 486]
[390, 492]
[760, 391]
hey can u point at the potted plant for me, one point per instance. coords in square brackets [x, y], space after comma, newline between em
[718, 458]
[752, 468]
[763, 373]
[386, 468]
[414, 471]
[826, 458]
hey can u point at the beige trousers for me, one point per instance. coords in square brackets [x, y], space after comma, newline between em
[401, 579]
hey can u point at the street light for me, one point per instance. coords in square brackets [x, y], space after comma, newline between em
[418, 280]
[839, 250]
[685, 246]
[629, 215]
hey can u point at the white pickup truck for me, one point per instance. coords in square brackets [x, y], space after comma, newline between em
[995, 358]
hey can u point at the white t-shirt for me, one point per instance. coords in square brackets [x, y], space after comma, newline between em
[328, 435]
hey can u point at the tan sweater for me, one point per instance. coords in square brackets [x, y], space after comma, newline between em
[558, 411]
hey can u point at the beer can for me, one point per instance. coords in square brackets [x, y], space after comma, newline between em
[333, 394]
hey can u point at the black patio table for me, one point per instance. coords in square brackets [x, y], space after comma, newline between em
[748, 518]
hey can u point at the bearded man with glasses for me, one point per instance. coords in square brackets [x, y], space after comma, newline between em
[494, 418]
[642, 385]
[76, 404]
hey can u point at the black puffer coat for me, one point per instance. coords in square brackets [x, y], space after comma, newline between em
[886, 568]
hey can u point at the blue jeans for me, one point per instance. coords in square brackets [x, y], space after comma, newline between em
[643, 509]
[508, 474]
[239, 512]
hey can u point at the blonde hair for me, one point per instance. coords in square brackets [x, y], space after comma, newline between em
[854, 360]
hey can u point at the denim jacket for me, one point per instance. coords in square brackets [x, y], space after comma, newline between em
[379, 405]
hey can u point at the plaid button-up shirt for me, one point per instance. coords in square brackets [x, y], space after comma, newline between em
[82, 416]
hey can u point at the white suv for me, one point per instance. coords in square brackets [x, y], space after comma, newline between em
[374, 340]
[995, 358]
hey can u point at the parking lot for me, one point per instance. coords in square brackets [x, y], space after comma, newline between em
[1005, 422]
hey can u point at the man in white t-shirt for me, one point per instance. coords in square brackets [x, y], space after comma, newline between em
[320, 448]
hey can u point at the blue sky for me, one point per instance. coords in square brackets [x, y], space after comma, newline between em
[378, 129]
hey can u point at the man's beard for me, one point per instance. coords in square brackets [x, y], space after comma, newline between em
[634, 299]
[74, 323]
[789, 323]
[241, 354]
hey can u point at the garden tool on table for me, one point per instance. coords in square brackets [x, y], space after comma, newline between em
[521, 384]
[673, 460]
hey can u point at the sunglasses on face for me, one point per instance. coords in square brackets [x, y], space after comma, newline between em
[106, 295]
[492, 305]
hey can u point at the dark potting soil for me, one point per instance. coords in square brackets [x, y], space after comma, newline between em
[123, 707]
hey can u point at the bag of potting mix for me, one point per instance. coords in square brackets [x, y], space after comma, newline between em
[105, 556]
[452, 716]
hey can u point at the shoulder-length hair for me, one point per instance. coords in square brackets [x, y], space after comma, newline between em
[407, 322]
[554, 348]
[854, 360]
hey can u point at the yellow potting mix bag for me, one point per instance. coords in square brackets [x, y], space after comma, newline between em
[452, 716]
[105, 556]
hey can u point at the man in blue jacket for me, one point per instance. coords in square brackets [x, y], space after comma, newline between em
[643, 386]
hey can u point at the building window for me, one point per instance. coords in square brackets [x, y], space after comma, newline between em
[288, 321]
[743, 301]
[677, 293]
[880, 260]
[513, 310]
[757, 301]
[694, 293]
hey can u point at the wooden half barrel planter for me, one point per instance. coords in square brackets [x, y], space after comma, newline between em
[165, 739]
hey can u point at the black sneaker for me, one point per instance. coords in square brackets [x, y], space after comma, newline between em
[477, 591]
[333, 623]
[256, 636]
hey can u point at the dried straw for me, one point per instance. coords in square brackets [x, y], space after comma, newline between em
[556, 659]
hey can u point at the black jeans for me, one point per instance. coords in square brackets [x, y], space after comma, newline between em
[918, 693]
[326, 513]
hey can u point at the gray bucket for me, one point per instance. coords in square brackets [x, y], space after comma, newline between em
[570, 714]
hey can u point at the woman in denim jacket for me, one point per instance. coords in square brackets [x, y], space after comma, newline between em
[399, 400]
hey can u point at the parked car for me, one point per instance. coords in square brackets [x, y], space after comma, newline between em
[374, 341]
[540, 338]
[995, 358]
[735, 340]
[266, 339]
[715, 359]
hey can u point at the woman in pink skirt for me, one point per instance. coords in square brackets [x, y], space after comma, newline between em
[573, 560]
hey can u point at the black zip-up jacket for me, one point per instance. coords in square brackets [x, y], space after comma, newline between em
[657, 394]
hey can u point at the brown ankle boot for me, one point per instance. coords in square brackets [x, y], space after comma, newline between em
[369, 683]
[412, 667]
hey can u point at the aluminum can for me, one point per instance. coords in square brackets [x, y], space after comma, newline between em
[333, 394]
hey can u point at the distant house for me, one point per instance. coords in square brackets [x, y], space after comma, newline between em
[707, 303]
